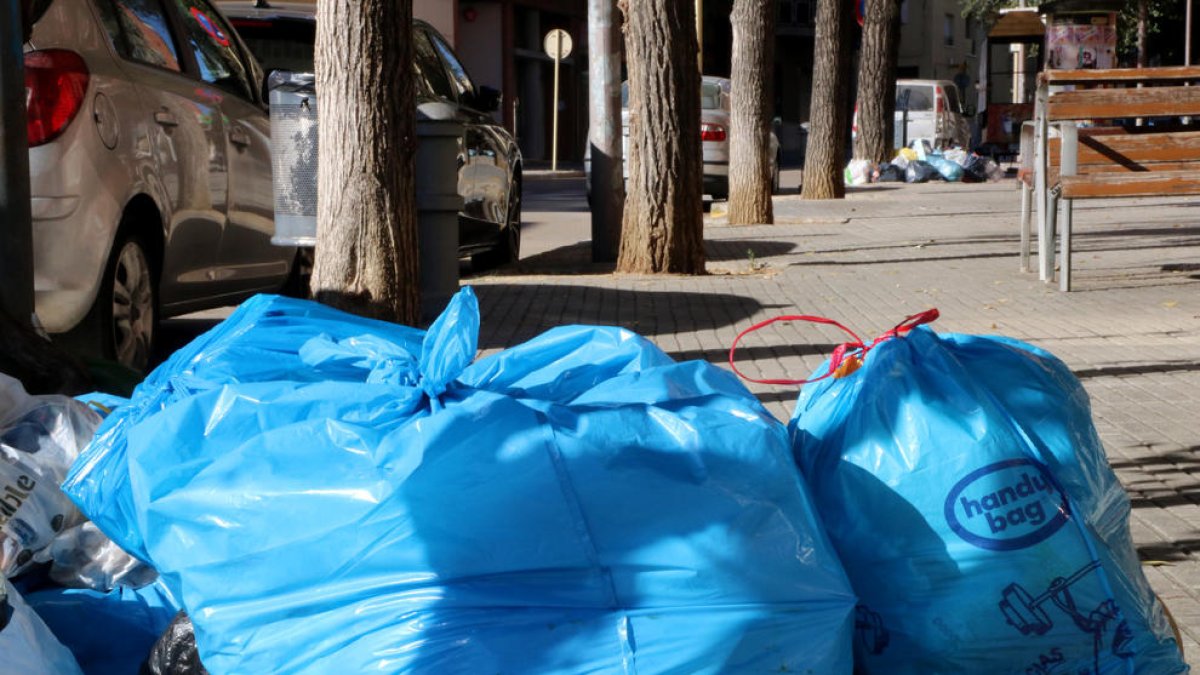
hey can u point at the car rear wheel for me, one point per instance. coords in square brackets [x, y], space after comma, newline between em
[122, 322]
[508, 247]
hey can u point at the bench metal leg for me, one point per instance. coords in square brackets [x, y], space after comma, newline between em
[1064, 278]
[1047, 250]
[1067, 167]
[1026, 207]
[1041, 147]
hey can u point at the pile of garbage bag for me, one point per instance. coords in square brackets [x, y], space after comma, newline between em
[921, 164]
[324, 493]
[305, 491]
[967, 492]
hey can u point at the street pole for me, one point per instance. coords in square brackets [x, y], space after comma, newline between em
[1187, 34]
[700, 35]
[605, 133]
[554, 141]
[16, 230]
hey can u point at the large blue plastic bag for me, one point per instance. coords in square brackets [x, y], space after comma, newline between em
[258, 342]
[967, 493]
[108, 633]
[579, 503]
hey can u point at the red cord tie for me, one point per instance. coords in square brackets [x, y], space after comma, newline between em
[846, 357]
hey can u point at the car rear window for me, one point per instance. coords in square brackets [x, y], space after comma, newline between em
[918, 98]
[710, 96]
[952, 98]
[279, 44]
[139, 29]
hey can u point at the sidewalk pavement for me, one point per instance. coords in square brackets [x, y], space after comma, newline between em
[1130, 330]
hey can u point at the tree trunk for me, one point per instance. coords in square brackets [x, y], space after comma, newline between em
[663, 226]
[753, 70]
[877, 82]
[366, 255]
[825, 158]
[1143, 17]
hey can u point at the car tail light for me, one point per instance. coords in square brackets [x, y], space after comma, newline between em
[56, 83]
[941, 100]
[712, 132]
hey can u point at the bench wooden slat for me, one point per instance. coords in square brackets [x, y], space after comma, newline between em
[1164, 74]
[1123, 103]
[1140, 152]
[1136, 184]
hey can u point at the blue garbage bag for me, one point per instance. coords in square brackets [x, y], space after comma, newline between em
[578, 503]
[108, 633]
[967, 492]
[949, 169]
[257, 343]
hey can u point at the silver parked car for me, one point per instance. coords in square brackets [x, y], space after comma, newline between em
[150, 170]
[281, 33]
[715, 112]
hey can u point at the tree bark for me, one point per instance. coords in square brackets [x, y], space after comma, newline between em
[825, 157]
[1143, 18]
[877, 82]
[366, 254]
[753, 70]
[663, 225]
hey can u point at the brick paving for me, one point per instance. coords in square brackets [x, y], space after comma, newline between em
[1130, 330]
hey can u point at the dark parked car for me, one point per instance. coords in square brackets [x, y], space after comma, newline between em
[282, 35]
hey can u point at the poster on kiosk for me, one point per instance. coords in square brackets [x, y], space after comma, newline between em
[1085, 40]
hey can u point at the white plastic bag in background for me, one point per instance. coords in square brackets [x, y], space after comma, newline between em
[40, 436]
[27, 647]
[957, 155]
[858, 172]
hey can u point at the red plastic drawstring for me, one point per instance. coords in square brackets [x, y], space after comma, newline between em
[846, 357]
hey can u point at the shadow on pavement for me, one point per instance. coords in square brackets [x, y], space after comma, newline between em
[575, 259]
[1176, 551]
[750, 354]
[175, 333]
[514, 313]
[1138, 369]
[724, 250]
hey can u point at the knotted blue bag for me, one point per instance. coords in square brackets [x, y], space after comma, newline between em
[577, 504]
[257, 343]
[968, 496]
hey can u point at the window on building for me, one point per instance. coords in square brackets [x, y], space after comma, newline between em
[948, 30]
[904, 12]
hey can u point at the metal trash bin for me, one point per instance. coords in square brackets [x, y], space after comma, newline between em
[438, 206]
[294, 147]
[293, 100]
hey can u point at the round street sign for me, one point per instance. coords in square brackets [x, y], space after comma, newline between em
[558, 44]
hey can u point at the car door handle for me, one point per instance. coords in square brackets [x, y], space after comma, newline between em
[166, 119]
[239, 137]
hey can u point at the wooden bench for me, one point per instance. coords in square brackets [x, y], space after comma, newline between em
[1067, 162]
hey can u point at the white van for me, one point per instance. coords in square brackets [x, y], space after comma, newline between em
[935, 113]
